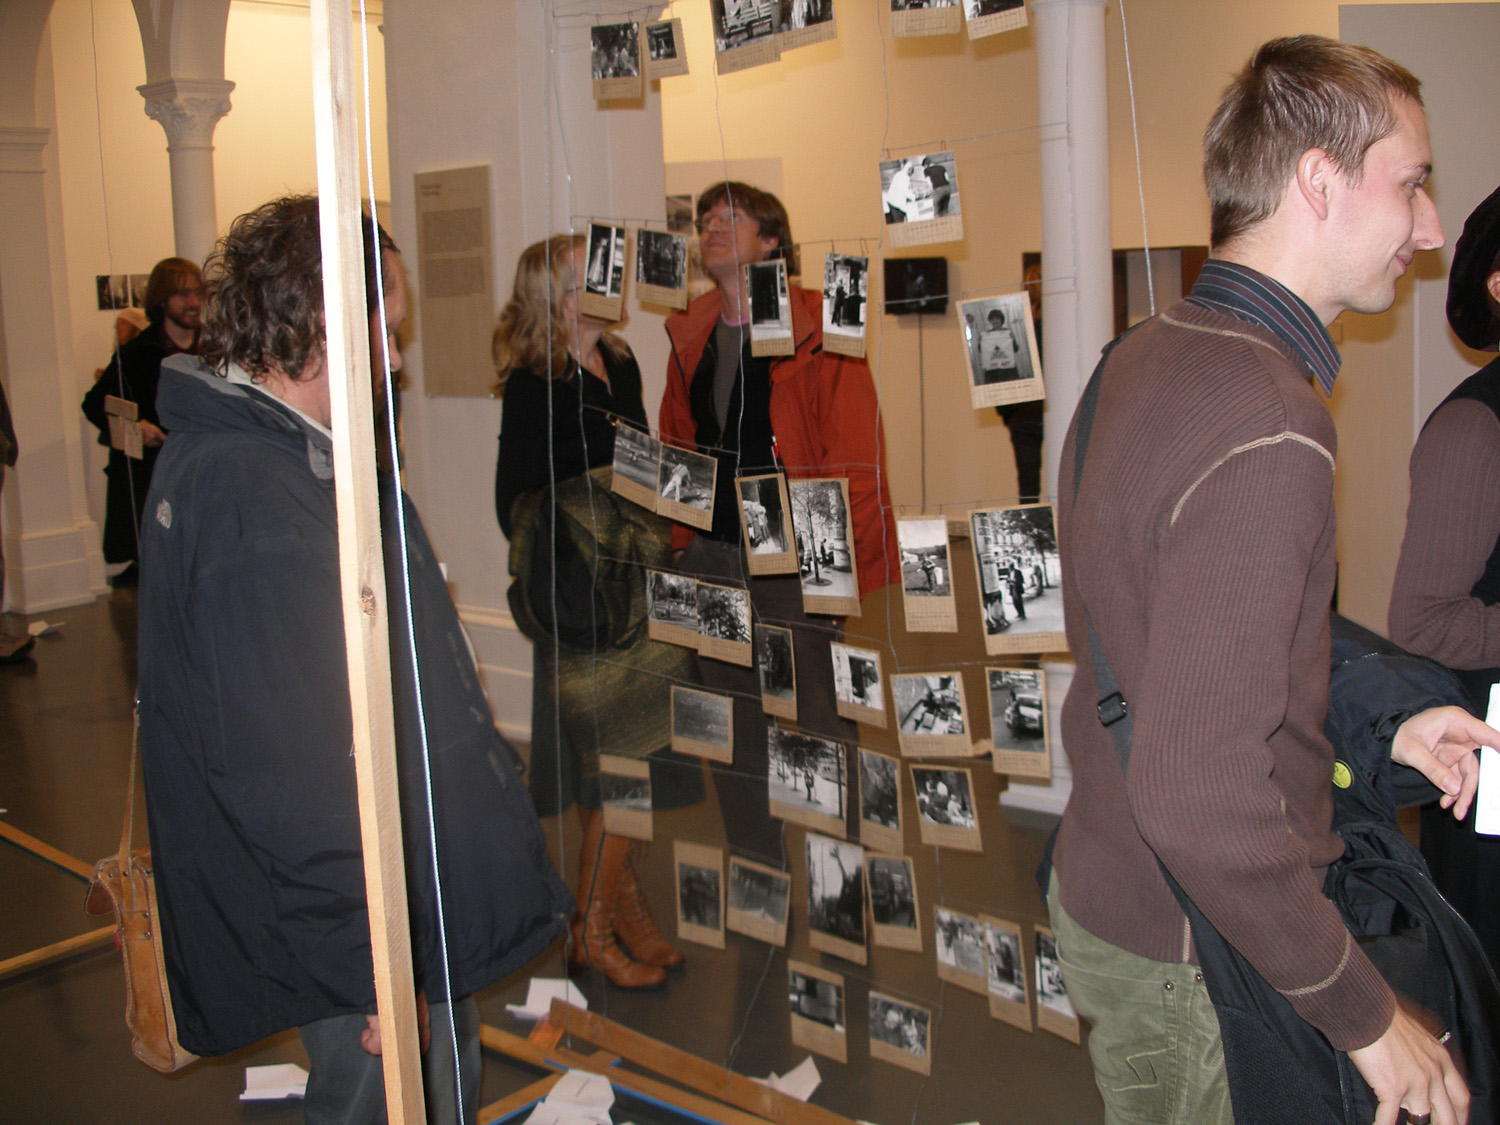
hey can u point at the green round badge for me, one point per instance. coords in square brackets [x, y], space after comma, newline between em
[1341, 775]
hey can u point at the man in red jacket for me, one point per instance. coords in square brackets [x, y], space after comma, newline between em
[810, 414]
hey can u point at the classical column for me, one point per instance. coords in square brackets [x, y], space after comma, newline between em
[188, 109]
[1076, 267]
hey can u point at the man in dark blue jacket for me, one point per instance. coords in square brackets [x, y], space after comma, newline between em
[245, 718]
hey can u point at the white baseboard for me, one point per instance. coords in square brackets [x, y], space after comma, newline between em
[49, 570]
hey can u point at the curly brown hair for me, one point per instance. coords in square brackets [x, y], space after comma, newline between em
[263, 288]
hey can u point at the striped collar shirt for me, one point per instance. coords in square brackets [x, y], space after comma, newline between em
[1248, 295]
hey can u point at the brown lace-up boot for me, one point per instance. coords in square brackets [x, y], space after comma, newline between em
[638, 930]
[602, 862]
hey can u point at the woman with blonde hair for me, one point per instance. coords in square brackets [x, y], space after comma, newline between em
[578, 554]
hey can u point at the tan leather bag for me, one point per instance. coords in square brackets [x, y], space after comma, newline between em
[123, 884]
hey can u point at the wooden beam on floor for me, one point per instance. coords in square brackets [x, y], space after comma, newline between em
[46, 851]
[715, 1081]
[520, 1099]
[55, 952]
[562, 1058]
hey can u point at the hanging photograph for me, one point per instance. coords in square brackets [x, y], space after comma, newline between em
[603, 293]
[825, 546]
[946, 814]
[920, 197]
[900, 1033]
[960, 950]
[672, 608]
[1054, 1011]
[880, 802]
[625, 792]
[125, 433]
[702, 724]
[932, 715]
[858, 690]
[744, 33]
[1015, 555]
[661, 265]
[758, 900]
[1018, 721]
[916, 19]
[991, 17]
[817, 1002]
[637, 465]
[806, 779]
[1000, 349]
[804, 22]
[894, 912]
[766, 521]
[700, 893]
[914, 286]
[770, 308]
[1010, 992]
[926, 576]
[666, 56]
[615, 54]
[776, 661]
[836, 898]
[685, 486]
[724, 623]
[846, 291]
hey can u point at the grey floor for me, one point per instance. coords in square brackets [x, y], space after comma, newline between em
[64, 1052]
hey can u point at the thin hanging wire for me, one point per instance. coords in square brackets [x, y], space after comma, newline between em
[1140, 181]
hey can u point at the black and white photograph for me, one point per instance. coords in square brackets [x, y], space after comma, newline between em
[992, 17]
[724, 623]
[685, 486]
[745, 33]
[894, 911]
[1018, 721]
[112, 290]
[672, 608]
[926, 576]
[919, 195]
[807, 779]
[801, 23]
[846, 292]
[825, 546]
[603, 293]
[1020, 603]
[858, 688]
[932, 715]
[625, 792]
[702, 724]
[661, 261]
[816, 999]
[700, 893]
[758, 900]
[945, 807]
[680, 214]
[665, 54]
[1054, 1011]
[615, 55]
[1000, 348]
[770, 308]
[900, 1033]
[880, 801]
[637, 465]
[766, 522]
[776, 662]
[1009, 994]
[917, 19]
[836, 898]
[914, 286]
[960, 950]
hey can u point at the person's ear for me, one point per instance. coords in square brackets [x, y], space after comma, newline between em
[1315, 180]
[1493, 285]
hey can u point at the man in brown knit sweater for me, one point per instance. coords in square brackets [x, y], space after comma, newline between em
[1201, 539]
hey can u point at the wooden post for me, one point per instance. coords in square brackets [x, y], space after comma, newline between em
[361, 564]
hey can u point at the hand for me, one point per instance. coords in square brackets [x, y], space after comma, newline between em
[1409, 1069]
[151, 433]
[1442, 743]
[369, 1038]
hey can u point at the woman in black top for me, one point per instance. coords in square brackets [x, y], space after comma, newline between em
[566, 380]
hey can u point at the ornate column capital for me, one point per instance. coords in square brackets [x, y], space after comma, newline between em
[188, 109]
